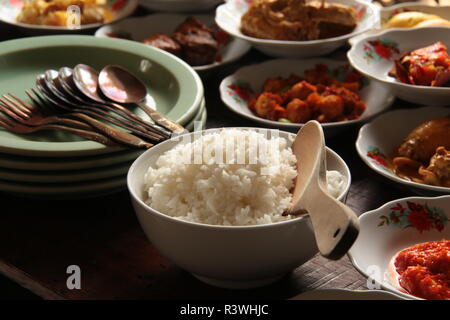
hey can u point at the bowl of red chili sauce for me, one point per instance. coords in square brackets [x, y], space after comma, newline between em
[404, 247]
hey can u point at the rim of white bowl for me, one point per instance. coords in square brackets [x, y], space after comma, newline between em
[374, 17]
[393, 82]
[390, 175]
[374, 211]
[409, 4]
[341, 197]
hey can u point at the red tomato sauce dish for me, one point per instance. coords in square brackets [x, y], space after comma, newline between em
[423, 270]
[318, 95]
[429, 66]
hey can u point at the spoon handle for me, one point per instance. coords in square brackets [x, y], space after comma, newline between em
[120, 136]
[86, 134]
[336, 228]
[162, 120]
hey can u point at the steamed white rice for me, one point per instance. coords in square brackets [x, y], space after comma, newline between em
[227, 188]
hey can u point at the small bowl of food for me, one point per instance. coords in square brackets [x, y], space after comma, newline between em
[63, 16]
[214, 203]
[296, 28]
[179, 5]
[404, 247]
[410, 15]
[413, 62]
[286, 93]
[413, 15]
[194, 38]
[410, 147]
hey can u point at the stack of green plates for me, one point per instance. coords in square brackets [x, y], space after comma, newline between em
[60, 165]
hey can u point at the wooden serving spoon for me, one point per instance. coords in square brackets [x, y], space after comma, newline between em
[335, 225]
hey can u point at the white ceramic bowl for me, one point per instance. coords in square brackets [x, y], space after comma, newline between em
[9, 9]
[228, 17]
[376, 96]
[392, 43]
[379, 138]
[180, 5]
[227, 256]
[378, 241]
[140, 28]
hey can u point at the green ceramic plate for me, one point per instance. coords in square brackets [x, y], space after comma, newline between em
[175, 87]
[15, 162]
[80, 175]
[62, 189]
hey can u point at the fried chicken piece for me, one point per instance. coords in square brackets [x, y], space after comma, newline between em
[313, 101]
[277, 112]
[278, 84]
[266, 103]
[422, 142]
[298, 111]
[164, 42]
[330, 107]
[353, 105]
[300, 90]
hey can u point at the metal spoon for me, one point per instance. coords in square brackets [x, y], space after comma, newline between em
[335, 225]
[72, 101]
[121, 86]
[117, 135]
[85, 80]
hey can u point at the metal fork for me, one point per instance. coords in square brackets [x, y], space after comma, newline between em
[17, 127]
[22, 117]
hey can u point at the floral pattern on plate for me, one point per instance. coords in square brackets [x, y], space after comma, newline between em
[361, 12]
[381, 48]
[241, 91]
[415, 215]
[378, 157]
[15, 3]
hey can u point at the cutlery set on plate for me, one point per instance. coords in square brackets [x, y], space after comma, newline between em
[90, 104]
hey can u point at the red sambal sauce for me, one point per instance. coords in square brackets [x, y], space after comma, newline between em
[424, 270]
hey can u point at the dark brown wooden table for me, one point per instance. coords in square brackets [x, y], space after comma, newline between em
[39, 238]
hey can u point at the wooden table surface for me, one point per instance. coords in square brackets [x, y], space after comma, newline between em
[40, 238]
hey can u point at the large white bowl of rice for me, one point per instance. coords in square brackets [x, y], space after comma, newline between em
[213, 202]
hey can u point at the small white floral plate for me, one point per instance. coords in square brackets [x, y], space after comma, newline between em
[395, 226]
[228, 17]
[380, 137]
[140, 28]
[238, 88]
[373, 55]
